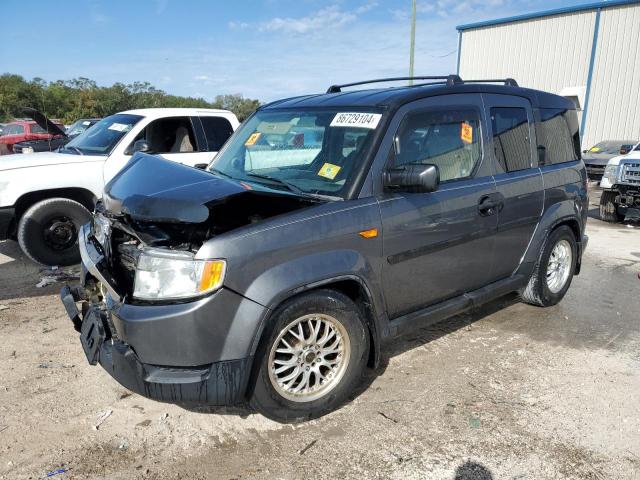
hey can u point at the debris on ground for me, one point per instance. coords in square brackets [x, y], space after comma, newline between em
[102, 416]
[3, 307]
[309, 445]
[59, 471]
[53, 275]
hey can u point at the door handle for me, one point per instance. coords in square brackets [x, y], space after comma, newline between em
[490, 205]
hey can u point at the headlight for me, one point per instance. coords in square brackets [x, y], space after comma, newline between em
[611, 173]
[27, 149]
[169, 275]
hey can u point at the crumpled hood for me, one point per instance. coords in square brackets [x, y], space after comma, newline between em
[151, 188]
[10, 162]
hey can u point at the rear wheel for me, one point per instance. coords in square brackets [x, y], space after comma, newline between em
[48, 231]
[313, 358]
[608, 208]
[554, 269]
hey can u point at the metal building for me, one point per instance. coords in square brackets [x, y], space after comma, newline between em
[590, 53]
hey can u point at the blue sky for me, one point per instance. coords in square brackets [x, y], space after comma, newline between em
[264, 49]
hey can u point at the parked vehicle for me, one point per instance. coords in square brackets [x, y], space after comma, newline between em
[20, 131]
[621, 188]
[275, 275]
[596, 157]
[45, 197]
[60, 136]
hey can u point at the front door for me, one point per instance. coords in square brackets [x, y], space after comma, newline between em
[439, 245]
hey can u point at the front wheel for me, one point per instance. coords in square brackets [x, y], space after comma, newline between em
[313, 358]
[554, 269]
[609, 209]
[48, 231]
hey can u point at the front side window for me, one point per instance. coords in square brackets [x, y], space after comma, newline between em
[317, 152]
[449, 139]
[169, 135]
[217, 130]
[102, 138]
[558, 135]
[511, 140]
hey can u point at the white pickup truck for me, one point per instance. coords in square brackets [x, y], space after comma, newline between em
[45, 197]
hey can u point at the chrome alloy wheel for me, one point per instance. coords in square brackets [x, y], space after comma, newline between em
[559, 266]
[309, 357]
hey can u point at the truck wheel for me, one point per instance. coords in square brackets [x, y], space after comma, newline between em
[554, 269]
[608, 208]
[312, 359]
[48, 231]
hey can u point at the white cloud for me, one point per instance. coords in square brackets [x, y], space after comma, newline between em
[330, 17]
[201, 78]
[238, 25]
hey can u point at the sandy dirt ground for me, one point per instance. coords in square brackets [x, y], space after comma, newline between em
[507, 392]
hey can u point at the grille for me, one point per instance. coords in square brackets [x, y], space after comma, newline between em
[631, 173]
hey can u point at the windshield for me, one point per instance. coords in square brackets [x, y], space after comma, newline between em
[315, 152]
[103, 136]
[78, 127]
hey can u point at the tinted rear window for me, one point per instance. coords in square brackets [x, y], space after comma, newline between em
[217, 130]
[511, 141]
[558, 133]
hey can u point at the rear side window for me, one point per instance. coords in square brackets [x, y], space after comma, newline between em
[511, 140]
[217, 130]
[449, 139]
[558, 134]
[13, 129]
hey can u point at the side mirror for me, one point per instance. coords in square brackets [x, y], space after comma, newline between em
[141, 146]
[585, 151]
[413, 178]
[201, 166]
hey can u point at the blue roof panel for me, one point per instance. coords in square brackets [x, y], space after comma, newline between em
[547, 13]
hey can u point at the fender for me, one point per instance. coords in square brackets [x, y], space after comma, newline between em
[566, 211]
[308, 272]
[17, 182]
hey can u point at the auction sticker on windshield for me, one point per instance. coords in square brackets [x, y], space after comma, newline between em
[119, 127]
[356, 119]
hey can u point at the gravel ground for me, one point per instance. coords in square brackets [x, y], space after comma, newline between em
[507, 392]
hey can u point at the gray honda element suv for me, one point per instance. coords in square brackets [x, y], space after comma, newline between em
[326, 225]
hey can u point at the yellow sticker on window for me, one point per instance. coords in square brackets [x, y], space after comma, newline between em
[329, 170]
[253, 138]
[466, 133]
[595, 149]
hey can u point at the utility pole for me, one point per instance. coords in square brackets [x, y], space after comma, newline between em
[413, 40]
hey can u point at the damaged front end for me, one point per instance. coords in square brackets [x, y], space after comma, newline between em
[152, 313]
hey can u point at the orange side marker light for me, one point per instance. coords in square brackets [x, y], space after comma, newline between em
[371, 233]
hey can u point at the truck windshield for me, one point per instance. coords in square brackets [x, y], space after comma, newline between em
[103, 136]
[316, 152]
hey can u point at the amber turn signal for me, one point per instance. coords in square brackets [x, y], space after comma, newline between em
[371, 233]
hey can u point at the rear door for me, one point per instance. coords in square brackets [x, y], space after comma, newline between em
[439, 245]
[518, 178]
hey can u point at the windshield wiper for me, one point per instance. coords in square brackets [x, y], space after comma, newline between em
[73, 148]
[292, 187]
[215, 171]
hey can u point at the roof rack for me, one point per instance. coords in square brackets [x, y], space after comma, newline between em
[450, 80]
[510, 82]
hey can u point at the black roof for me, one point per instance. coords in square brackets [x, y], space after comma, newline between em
[394, 97]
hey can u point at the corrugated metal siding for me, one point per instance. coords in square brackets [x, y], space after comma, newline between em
[548, 54]
[614, 105]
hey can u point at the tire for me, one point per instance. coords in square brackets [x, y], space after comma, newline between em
[311, 309]
[608, 208]
[48, 231]
[540, 291]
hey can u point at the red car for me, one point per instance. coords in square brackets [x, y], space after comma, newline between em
[20, 131]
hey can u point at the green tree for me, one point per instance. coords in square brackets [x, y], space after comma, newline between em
[81, 97]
